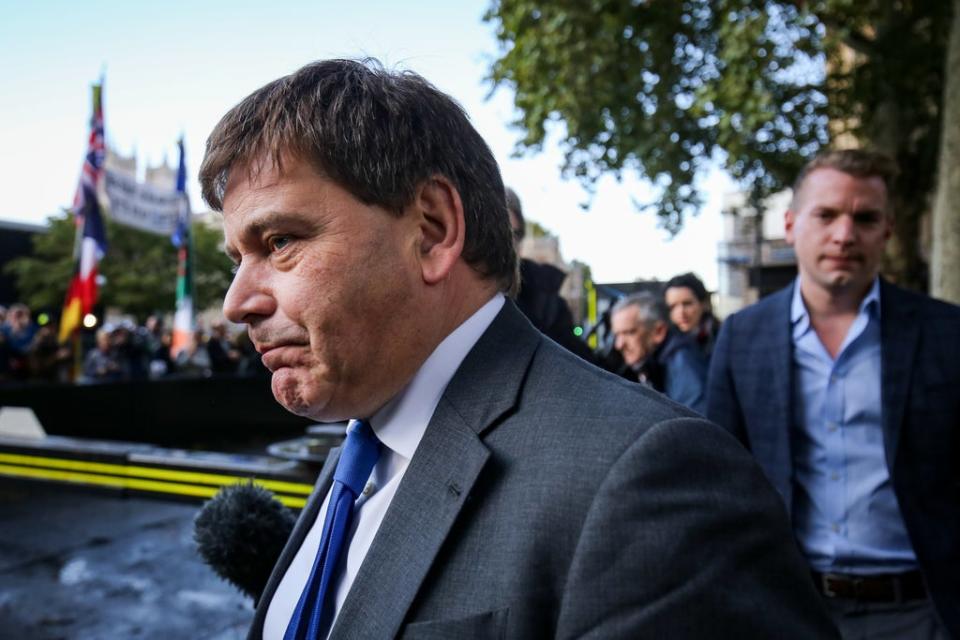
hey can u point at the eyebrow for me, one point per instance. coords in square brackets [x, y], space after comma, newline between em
[263, 222]
[286, 219]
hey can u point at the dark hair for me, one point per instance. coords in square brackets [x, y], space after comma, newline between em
[692, 282]
[379, 135]
[860, 163]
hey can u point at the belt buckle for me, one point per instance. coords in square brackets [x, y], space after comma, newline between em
[825, 588]
[897, 590]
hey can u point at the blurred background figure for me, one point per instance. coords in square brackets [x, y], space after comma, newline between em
[48, 360]
[102, 364]
[194, 360]
[129, 351]
[18, 331]
[539, 298]
[224, 356]
[689, 304]
[656, 354]
[155, 347]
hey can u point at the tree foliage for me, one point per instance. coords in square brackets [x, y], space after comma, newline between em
[658, 88]
[140, 269]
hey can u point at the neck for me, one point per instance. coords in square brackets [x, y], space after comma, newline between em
[460, 296]
[823, 302]
[443, 308]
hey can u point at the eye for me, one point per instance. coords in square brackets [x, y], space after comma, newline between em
[278, 243]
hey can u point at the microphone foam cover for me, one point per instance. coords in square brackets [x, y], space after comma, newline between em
[240, 533]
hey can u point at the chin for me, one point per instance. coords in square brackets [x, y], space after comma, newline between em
[841, 281]
[291, 393]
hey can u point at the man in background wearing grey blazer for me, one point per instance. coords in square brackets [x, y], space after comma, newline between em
[494, 485]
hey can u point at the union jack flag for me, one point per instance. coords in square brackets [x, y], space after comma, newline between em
[91, 236]
[92, 171]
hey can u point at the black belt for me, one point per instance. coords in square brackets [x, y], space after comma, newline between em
[889, 587]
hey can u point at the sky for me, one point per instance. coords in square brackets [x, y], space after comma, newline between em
[176, 67]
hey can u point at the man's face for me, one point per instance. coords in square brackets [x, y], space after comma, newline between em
[327, 286]
[633, 338]
[838, 227]
[685, 310]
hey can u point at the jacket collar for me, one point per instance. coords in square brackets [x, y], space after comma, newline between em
[439, 479]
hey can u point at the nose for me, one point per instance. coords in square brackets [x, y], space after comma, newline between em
[248, 298]
[842, 230]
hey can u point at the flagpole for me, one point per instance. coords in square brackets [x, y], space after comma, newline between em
[90, 242]
[183, 320]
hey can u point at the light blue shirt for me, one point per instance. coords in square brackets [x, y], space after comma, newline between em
[845, 513]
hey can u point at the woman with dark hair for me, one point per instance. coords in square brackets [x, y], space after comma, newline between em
[689, 304]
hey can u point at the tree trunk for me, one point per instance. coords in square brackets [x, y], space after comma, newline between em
[945, 258]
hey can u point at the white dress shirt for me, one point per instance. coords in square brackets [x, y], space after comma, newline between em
[399, 426]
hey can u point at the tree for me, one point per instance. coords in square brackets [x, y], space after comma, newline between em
[664, 88]
[945, 261]
[140, 268]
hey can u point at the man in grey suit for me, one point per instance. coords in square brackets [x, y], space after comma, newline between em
[845, 388]
[495, 485]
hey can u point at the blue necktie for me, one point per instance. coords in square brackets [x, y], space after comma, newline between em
[315, 608]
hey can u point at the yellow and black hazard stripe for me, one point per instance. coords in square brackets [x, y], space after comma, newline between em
[135, 477]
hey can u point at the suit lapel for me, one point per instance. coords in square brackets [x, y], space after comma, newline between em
[300, 530]
[899, 333]
[439, 479]
[773, 394]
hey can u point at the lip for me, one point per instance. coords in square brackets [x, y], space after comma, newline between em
[276, 356]
[264, 349]
[841, 260]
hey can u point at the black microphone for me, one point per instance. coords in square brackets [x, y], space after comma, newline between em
[240, 533]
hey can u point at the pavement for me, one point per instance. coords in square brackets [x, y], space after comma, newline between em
[79, 564]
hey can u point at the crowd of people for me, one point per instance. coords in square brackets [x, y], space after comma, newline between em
[121, 351]
[661, 340]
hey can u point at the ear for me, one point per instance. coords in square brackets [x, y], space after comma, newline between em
[789, 218]
[439, 213]
[659, 333]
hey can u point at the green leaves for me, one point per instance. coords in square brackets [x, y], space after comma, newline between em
[659, 87]
[140, 268]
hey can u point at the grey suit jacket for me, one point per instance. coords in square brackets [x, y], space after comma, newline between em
[551, 499]
[750, 394]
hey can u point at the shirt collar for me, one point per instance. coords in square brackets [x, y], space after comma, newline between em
[401, 423]
[798, 310]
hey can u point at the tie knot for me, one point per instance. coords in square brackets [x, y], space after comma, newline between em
[358, 457]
